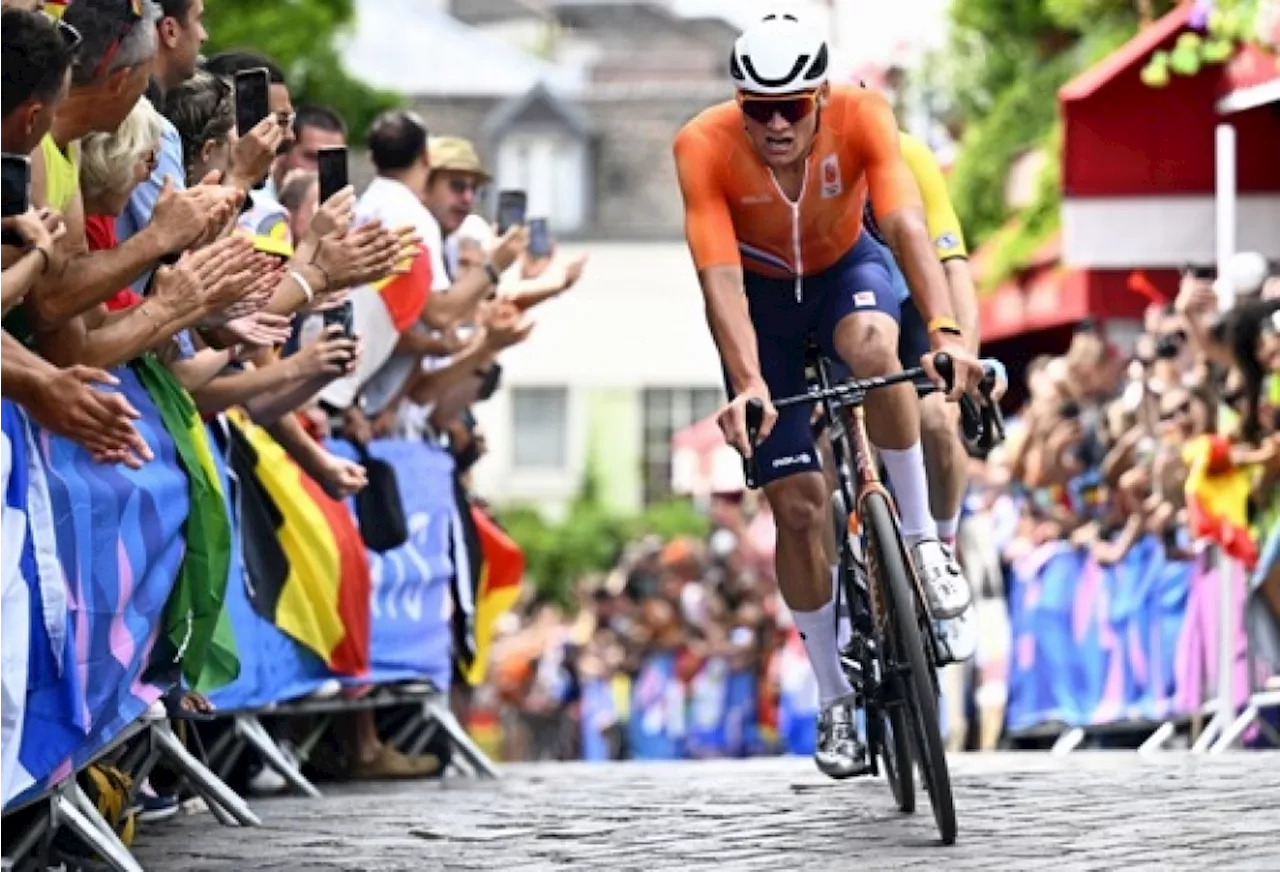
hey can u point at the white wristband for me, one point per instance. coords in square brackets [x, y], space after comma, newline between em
[303, 283]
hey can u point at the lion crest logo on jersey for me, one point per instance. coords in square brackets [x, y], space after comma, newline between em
[830, 171]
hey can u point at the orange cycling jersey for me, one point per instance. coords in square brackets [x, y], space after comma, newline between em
[736, 214]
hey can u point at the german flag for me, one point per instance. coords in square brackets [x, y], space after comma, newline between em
[1218, 498]
[404, 294]
[494, 565]
[307, 566]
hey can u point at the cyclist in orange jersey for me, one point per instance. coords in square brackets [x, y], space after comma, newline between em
[774, 187]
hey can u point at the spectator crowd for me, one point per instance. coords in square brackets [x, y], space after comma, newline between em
[185, 315]
[1174, 443]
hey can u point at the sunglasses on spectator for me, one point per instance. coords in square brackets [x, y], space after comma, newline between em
[462, 186]
[792, 107]
[71, 37]
[1177, 412]
[135, 15]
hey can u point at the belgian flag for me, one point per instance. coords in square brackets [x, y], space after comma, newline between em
[307, 567]
[492, 565]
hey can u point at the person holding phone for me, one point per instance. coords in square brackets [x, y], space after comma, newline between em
[39, 230]
[396, 315]
[457, 179]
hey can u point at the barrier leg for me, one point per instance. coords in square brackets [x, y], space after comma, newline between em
[1156, 740]
[429, 730]
[1068, 742]
[213, 789]
[307, 745]
[1235, 730]
[230, 758]
[403, 735]
[217, 751]
[252, 731]
[85, 822]
[437, 709]
[1225, 715]
[29, 840]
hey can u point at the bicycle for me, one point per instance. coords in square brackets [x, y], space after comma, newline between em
[891, 659]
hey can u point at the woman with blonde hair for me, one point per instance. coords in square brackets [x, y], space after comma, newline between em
[204, 284]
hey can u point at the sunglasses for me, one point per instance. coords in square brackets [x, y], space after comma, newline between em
[71, 37]
[135, 15]
[792, 107]
[461, 186]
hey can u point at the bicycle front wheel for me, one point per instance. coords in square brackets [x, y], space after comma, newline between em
[905, 658]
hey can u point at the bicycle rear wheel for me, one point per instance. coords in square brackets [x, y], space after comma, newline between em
[905, 659]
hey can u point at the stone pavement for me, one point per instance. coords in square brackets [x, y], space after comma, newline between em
[1104, 811]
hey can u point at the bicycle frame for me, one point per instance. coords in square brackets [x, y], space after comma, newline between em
[849, 396]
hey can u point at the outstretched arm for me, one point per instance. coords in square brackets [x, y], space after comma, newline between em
[708, 227]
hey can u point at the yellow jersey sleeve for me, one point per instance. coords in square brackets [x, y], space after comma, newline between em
[944, 226]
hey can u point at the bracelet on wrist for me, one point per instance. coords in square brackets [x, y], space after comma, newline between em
[491, 271]
[302, 282]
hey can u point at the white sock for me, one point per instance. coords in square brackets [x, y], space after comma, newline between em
[818, 630]
[947, 528]
[911, 487]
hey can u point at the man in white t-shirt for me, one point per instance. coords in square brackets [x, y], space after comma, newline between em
[386, 314]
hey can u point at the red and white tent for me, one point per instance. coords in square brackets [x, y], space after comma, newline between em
[1138, 179]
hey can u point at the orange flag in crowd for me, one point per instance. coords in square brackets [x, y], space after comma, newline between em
[1218, 498]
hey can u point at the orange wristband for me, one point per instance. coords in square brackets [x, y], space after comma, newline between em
[944, 325]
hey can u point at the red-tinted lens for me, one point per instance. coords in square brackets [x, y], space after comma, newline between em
[792, 109]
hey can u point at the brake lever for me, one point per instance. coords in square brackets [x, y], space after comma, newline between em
[755, 420]
[971, 420]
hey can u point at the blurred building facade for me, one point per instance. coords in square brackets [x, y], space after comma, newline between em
[577, 102]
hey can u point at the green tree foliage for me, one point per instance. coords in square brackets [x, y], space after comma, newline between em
[301, 36]
[1001, 75]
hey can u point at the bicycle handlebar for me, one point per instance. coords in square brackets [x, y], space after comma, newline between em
[982, 424]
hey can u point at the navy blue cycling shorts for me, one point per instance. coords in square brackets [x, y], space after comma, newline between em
[859, 282]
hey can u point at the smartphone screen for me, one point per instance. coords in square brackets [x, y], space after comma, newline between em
[17, 191]
[343, 317]
[511, 208]
[14, 185]
[332, 165]
[539, 238]
[252, 104]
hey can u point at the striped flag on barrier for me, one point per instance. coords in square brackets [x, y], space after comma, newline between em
[492, 565]
[307, 567]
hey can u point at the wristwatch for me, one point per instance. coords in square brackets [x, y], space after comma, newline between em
[492, 272]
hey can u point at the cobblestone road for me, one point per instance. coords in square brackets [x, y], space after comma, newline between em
[1017, 811]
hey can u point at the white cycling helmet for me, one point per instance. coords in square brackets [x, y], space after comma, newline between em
[779, 55]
